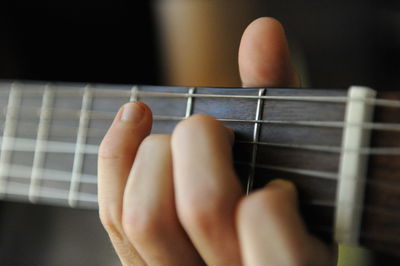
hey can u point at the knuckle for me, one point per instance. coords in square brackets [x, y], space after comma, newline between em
[247, 207]
[108, 150]
[141, 226]
[261, 201]
[204, 217]
[113, 149]
[106, 218]
[154, 141]
[111, 224]
[153, 145]
[194, 125]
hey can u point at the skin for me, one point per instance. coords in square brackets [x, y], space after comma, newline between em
[175, 199]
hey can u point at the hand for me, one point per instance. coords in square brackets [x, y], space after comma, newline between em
[175, 200]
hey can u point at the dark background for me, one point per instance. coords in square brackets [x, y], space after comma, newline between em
[103, 41]
[341, 43]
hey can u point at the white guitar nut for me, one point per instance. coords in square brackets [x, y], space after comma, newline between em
[353, 165]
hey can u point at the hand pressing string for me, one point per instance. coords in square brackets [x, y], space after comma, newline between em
[175, 199]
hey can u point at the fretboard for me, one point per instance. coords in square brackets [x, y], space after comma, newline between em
[51, 133]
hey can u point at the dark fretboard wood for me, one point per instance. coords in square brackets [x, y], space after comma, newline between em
[381, 220]
[289, 136]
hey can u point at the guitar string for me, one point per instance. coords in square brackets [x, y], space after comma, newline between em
[318, 174]
[18, 171]
[24, 172]
[392, 104]
[381, 151]
[97, 115]
[68, 131]
[364, 235]
[28, 145]
[19, 189]
[65, 131]
[52, 146]
[90, 180]
[116, 93]
[307, 123]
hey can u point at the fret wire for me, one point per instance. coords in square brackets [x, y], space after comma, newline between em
[256, 135]
[42, 135]
[189, 105]
[10, 128]
[134, 93]
[80, 142]
[66, 113]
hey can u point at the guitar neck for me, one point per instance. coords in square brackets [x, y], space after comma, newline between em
[51, 133]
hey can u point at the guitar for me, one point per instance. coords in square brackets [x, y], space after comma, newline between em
[341, 148]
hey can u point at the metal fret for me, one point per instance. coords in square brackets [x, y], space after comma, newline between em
[134, 93]
[256, 134]
[79, 147]
[40, 146]
[189, 105]
[7, 143]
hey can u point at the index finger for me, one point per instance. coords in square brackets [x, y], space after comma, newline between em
[116, 155]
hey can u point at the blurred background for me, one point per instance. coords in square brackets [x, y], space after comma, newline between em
[334, 44]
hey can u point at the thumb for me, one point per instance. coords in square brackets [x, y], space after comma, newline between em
[264, 58]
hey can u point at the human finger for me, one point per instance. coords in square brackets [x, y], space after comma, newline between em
[206, 188]
[149, 216]
[271, 231]
[116, 155]
[264, 57]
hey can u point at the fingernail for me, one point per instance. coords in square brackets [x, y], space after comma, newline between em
[132, 112]
[281, 183]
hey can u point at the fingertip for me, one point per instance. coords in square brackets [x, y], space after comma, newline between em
[264, 57]
[133, 112]
[131, 125]
[283, 184]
